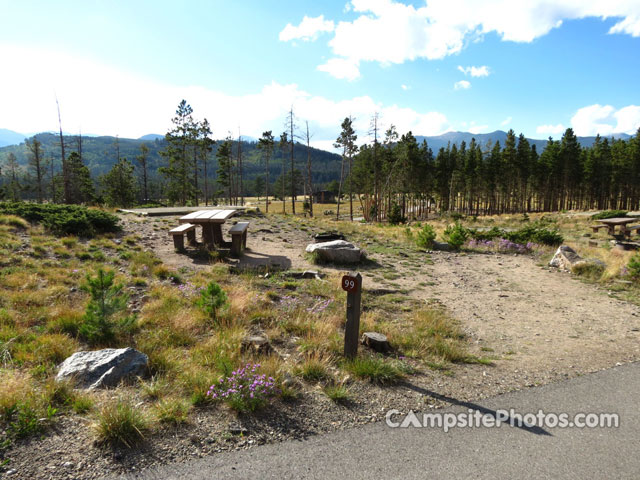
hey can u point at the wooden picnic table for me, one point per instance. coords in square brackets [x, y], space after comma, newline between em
[211, 222]
[621, 222]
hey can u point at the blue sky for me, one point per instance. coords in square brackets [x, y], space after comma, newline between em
[121, 67]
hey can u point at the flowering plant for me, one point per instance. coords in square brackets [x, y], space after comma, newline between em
[244, 390]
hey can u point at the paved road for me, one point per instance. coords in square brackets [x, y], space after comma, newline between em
[377, 451]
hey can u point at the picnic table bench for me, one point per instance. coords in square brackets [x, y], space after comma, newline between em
[179, 232]
[238, 237]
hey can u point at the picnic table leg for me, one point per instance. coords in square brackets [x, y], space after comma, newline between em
[216, 230]
[191, 236]
[178, 242]
[611, 229]
[207, 234]
[244, 240]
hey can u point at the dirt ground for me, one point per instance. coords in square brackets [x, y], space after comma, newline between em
[538, 324]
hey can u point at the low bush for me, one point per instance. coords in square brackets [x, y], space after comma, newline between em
[426, 237]
[455, 235]
[530, 233]
[609, 214]
[64, 220]
[633, 267]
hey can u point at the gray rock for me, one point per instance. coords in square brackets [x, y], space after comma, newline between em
[102, 368]
[376, 341]
[442, 246]
[565, 258]
[338, 251]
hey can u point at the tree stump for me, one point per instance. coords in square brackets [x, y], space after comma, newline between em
[376, 341]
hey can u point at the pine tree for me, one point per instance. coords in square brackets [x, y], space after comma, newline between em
[225, 166]
[178, 173]
[38, 165]
[120, 184]
[346, 141]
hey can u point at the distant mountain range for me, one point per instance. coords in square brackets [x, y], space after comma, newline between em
[9, 137]
[100, 153]
[439, 141]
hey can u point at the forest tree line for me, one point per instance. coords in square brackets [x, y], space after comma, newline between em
[397, 176]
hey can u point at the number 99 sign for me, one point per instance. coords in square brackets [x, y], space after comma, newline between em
[349, 283]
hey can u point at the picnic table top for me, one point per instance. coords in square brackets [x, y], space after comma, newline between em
[208, 216]
[618, 220]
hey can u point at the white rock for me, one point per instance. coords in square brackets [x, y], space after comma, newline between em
[337, 251]
[102, 368]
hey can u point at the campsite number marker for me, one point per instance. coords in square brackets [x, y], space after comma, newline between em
[352, 284]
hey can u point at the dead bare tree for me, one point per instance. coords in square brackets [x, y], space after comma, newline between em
[309, 178]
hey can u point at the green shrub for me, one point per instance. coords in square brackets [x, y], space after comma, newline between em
[107, 300]
[633, 267]
[609, 214]
[455, 235]
[533, 232]
[395, 215]
[426, 237]
[212, 299]
[64, 220]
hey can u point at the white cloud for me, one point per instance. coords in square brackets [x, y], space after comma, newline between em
[461, 85]
[478, 129]
[506, 121]
[605, 120]
[389, 32]
[482, 71]
[405, 87]
[341, 68]
[309, 29]
[103, 100]
[551, 129]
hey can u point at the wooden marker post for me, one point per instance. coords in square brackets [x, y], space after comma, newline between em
[352, 284]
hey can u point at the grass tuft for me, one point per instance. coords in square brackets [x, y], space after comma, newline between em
[120, 424]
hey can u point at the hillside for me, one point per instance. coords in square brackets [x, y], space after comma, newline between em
[9, 137]
[100, 153]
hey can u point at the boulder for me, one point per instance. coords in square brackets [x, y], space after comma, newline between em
[565, 258]
[103, 368]
[376, 341]
[337, 251]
